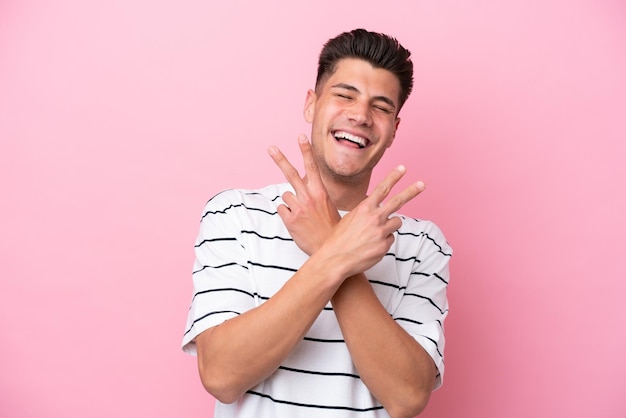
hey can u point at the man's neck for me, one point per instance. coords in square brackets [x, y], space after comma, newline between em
[346, 195]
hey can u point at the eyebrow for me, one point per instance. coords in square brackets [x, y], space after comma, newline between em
[350, 87]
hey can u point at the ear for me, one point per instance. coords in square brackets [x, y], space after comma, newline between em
[309, 106]
[395, 129]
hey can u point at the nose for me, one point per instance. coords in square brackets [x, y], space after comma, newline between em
[359, 114]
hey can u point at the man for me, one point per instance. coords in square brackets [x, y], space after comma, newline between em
[313, 299]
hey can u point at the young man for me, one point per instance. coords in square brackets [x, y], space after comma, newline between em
[313, 299]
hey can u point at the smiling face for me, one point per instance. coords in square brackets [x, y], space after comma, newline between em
[354, 120]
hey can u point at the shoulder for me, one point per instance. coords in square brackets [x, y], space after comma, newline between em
[264, 199]
[422, 230]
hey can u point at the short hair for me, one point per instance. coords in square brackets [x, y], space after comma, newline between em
[378, 49]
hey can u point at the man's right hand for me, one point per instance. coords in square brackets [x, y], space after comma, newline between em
[365, 234]
[362, 237]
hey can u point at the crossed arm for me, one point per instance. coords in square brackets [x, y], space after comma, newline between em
[398, 372]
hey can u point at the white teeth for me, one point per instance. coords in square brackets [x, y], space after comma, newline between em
[344, 135]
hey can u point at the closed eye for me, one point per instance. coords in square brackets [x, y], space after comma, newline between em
[383, 109]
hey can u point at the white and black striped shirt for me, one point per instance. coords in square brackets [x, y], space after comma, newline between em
[244, 255]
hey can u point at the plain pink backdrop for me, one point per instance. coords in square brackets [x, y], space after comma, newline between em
[119, 119]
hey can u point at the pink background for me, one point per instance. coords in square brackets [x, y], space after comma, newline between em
[119, 119]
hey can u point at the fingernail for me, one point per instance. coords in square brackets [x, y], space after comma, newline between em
[420, 185]
[302, 139]
[272, 150]
[401, 168]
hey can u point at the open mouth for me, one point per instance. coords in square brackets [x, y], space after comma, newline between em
[353, 139]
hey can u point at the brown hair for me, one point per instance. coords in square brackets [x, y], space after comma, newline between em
[380, 50]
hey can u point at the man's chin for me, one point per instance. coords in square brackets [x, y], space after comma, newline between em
[349, 175]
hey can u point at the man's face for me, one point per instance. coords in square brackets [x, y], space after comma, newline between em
[353, 117]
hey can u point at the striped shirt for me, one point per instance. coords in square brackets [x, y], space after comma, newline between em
[244, 255]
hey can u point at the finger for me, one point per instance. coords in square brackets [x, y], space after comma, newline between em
[382, 190]
[283, 212]
[394, 203]
[290, 173]
[290, 200]
[393, 225]
[310, 165]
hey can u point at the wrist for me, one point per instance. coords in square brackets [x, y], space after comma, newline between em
[328, 267]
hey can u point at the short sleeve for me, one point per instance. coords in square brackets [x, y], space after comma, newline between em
[222, 288]
[424, 305]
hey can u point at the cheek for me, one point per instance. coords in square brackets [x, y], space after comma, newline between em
[388, 135]
[391, 138]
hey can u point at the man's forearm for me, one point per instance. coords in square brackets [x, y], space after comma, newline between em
[396, 369]
[241, 352]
